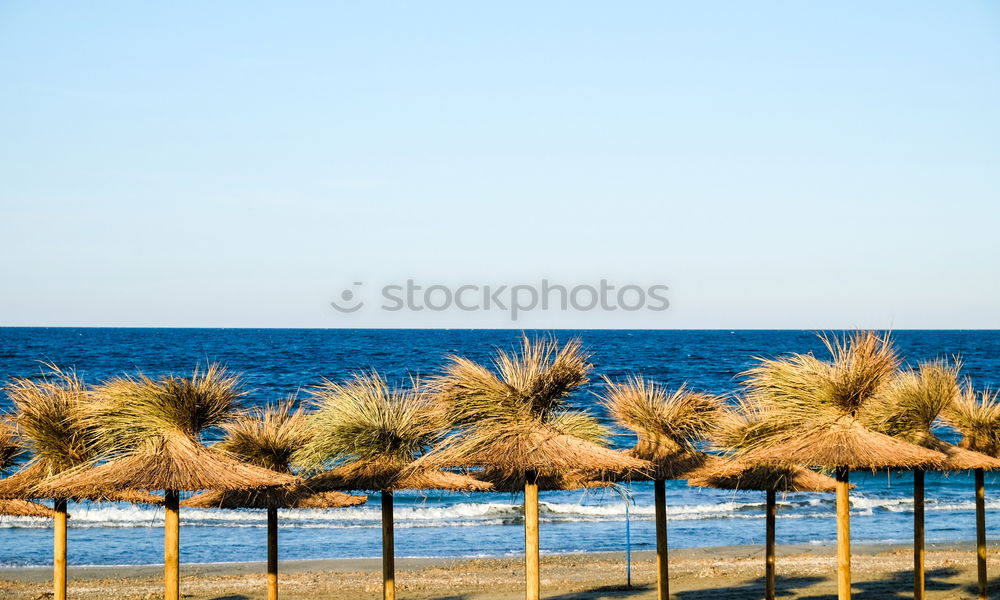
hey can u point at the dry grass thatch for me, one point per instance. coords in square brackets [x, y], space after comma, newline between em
[844, 442]
[297, 496]
[514, 418]
[914, 399]
[131, 411]
[802, 389]
[808, 412]
[977, 416]
[390, 474]
[735, 475]
[667, 424]
[24, 508]
[31, 482]
[529, 385]
[370, 433]
[10, 450]
[267, 437]
[367, 420]
[513, 483]
[523, 447]
[171, 462]
[911, 405]
[48, 417]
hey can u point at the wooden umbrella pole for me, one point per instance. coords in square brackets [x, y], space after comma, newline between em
[171, 546]
[981, 532]
[918, 534]
[531, 575]
[59, 552]
[388, 549]
[662, 579]
[769, 583]
[272, 554]
[843, 534]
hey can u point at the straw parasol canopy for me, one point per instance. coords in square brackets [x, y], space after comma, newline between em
[300, 496]
[391, 474]
[909, 409]
[369, 434]
[812, 416]
[513, 483]
[25, 508]
[911, 406]
[48, 422]
[977, 416]
[666, 423]
[152, 429]
[843, 442]
[150, 432]
[268, 437]
[9, 451]
[171, 461]
[811, 410]
[547, 449]
[515, 418]
[736, 475]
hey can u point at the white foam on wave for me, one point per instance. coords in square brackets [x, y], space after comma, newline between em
[471, 514]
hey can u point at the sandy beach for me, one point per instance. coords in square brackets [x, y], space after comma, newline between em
[734, 572]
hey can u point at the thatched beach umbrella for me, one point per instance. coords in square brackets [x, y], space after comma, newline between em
[267, 438]
[151, 430]
[909, 409]
[733, 475]
[48, 420]
[514, 419]
[739, 428]
[811, 414]
[667, 425]
[370, 434]
[9, 451]
[977, 417]
[25, 508]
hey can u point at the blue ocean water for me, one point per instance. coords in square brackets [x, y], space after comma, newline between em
[276, 363]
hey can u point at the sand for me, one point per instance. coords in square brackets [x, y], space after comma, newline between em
[726, 573]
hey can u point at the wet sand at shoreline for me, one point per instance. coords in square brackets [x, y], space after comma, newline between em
[733, 572]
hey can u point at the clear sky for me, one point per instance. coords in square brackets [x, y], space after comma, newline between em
[776, 164]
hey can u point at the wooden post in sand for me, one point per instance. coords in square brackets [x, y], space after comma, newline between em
[531, 575]
[843, 534]
[769, 583]
[272, 554]
[918, 534]
[171, 546]
[388, 549]
[981, 532]
[59, 552]
[662, 580]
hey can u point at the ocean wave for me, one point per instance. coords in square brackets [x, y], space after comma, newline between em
[472, 514]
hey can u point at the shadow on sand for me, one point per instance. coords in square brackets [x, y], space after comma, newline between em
[898, 586]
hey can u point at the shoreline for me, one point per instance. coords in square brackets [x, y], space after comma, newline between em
[338, 565]
[706, 573]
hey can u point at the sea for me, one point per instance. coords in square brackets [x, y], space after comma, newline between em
[278, 363]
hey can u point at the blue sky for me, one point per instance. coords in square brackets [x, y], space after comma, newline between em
[239, 164]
